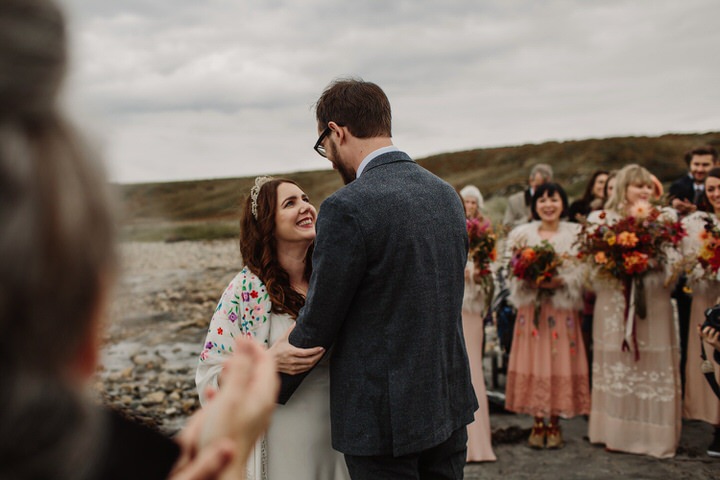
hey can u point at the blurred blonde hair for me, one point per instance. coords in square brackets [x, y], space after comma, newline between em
[632, 174]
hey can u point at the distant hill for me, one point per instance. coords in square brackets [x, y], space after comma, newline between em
[209, 208]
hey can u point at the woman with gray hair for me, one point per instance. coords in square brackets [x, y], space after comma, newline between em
[57, 263]
[479, 446]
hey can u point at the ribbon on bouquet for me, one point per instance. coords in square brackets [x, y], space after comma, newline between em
[635, 306]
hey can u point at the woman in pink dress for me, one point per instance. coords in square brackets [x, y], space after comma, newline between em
[548, 371]
[479, 446]
[699, 401]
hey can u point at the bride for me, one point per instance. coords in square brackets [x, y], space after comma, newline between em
[262, 302]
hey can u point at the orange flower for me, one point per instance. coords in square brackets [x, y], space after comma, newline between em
[600, 258]
[627, 239]
[528, 255]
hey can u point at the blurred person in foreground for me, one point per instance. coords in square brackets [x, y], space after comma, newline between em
[57, 265]
[386, 292]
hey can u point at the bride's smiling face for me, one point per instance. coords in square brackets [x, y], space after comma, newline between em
[638, 192]
[294, 215]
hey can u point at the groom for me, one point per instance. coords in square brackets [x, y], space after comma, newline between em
[386, 293]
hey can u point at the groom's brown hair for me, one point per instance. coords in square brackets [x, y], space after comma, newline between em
[360, 106]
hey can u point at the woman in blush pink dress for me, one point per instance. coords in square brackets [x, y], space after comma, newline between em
[479, 447]
[548, 370]
[699, 401]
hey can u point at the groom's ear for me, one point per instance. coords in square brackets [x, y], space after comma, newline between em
[339, 132]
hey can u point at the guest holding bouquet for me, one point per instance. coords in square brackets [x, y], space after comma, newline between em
[635, 373]
[478, 293]
[701, 252]
[548, 371]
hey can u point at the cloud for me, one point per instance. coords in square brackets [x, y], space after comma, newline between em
[171, 81]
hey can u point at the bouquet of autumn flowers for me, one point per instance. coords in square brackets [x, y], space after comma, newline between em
[482, 250]
[709, 253]
[624, 249]
[534, 265]
[482, 240]
[627, 250]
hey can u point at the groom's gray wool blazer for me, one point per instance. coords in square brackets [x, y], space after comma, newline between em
[386, 293]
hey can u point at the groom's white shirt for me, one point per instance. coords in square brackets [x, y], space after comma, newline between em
[372, 155]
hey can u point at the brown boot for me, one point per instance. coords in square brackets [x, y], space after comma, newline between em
[554, 436]
[537, 434]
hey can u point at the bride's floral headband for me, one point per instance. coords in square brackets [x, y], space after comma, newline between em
[255, 191]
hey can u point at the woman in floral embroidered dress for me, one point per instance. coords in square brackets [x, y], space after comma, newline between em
[548, 371]
[699, 401]
[261, 302]
[636, 393]
[479, 445]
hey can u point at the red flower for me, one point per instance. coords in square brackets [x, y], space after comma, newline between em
[220, 330]
[254, 294]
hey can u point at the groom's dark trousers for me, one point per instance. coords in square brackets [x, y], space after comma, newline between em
[443, 462]
[386, 293]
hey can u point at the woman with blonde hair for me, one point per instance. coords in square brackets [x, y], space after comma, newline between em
[636, 391]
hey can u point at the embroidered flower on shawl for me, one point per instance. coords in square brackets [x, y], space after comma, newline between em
[245, 297]
[259, 310]
[232, 317]
[208, 345]
[254, 294]
[220, 331]
[204, 354]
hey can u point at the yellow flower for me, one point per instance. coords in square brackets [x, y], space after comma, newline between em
[610, 238]
[627, 239]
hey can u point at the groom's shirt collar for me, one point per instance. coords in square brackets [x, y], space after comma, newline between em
[373, 155]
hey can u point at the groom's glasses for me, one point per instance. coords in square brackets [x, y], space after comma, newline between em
[318, 145]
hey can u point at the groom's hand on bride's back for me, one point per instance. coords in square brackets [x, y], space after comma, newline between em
[294, 360]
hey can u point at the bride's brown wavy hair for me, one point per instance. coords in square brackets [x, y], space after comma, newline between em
[258, 248]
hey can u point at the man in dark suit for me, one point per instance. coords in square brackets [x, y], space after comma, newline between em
[687, 194]
[386, 293]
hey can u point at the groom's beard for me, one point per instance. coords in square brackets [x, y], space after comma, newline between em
[346, 173]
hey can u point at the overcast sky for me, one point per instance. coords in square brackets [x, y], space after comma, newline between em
[187, 89]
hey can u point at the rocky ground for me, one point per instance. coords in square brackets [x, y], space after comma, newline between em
[161, 308]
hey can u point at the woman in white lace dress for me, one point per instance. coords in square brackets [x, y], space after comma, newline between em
[635, 398]
[262, 302]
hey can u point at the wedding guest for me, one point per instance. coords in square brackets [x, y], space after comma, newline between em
[548, 371]
[636, 393]
[517, 211]
[687, 196]
[475, 301]
[262, 302]
[686, 193]
[599, 204]
[699, 401]
[57, 265]
[594, 193]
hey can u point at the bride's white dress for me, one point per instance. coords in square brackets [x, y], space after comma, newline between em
[298, 440]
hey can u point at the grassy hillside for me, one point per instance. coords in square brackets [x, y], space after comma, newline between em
[209, 208]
